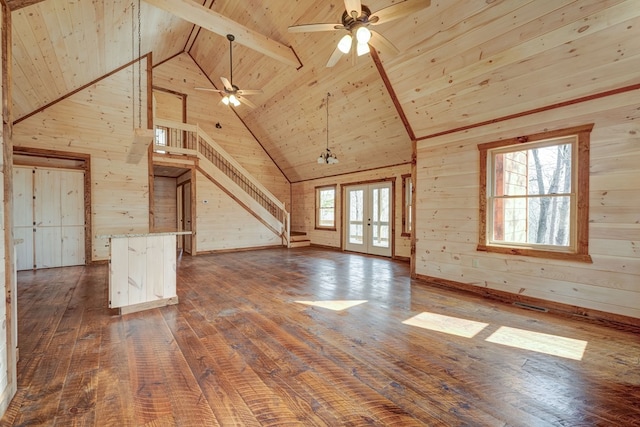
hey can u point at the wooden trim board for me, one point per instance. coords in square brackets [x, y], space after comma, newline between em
[553, 307]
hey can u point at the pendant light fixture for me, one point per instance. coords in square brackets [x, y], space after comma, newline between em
[327, 157]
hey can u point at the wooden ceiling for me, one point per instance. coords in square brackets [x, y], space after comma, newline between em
[461, 63]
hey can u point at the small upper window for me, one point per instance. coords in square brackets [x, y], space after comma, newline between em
[161, 138]
[534, 195]
[326, 207]
[407, 204]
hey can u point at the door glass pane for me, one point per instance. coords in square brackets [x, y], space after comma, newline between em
[356, 215]
[380, 221]
[381, 236]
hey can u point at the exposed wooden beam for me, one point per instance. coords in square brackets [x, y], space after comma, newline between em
[199, 15]
[19, 4]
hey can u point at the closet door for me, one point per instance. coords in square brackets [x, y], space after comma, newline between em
[72, 217]
[47, 213]
[49, 217]
[23, 216]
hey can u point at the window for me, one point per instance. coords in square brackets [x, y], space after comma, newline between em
[407, 204]
[534, 195]
[161, 138]
[326, 207]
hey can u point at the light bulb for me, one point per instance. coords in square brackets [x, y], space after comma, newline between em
[320, 159]
[344, 45]
[225, 100]
[362, 49]
[363, 35]
[233, 99]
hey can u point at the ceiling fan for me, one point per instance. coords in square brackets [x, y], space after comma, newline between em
[233, 95]
[356, 19]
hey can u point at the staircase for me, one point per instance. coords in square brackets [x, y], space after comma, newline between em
[218, 165]
[299, 239]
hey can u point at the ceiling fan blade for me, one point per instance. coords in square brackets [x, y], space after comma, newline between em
[246, 102]
[226, 83]
[245, 92]
[208, 89]
[353, 7]
[398, 10]
[333, 59]
[383, 44]
[310, 28]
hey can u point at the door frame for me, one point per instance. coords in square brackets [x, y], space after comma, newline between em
[36, 157]
[345, 217]
[180, 190]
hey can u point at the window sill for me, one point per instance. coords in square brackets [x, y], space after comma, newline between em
[325, 228]
[564, 256]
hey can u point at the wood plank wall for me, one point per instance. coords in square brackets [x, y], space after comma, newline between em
[8, 307]
[222, 224]
[447, 211]
[182, 75]
[303, 212]
[99, 121]
[165, 205]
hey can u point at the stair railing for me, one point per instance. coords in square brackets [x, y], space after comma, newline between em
[185, 139]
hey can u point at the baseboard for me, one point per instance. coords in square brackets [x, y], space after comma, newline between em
[223, 251]
[331, 248]
[609, 319]
[148, 305]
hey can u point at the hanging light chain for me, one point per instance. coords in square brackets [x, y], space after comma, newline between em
[327, 156]
[139, 68]
[328, 94]
[133, 57]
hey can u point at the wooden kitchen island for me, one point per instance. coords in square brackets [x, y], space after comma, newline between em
[142, 271]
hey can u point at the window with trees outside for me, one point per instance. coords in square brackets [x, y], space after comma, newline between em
[407, 204]
[326, 207]
[534, 195]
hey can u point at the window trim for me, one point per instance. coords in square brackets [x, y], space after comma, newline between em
[406, 201]
[333, 187]
[579, 221]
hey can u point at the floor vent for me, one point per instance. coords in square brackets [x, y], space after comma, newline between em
[530, 307]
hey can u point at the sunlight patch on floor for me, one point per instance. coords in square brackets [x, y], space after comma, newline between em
[336, 305]
[449, 325]
[543, 343]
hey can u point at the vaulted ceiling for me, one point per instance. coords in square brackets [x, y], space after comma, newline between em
[461, 63]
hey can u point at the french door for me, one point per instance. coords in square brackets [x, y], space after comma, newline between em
[368, 218]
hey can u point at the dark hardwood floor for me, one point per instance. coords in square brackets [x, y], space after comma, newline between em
[240, 350]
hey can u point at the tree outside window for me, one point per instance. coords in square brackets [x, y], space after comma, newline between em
[326, 207]
[534, 195]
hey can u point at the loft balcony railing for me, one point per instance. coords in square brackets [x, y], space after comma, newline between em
[185, 139]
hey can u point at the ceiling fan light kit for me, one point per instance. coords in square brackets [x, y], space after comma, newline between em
[233, 95]
[345, 44]
[356, 20]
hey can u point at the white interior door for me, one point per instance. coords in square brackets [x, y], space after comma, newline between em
[368, 218]
[23, 216]
[49, 217]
